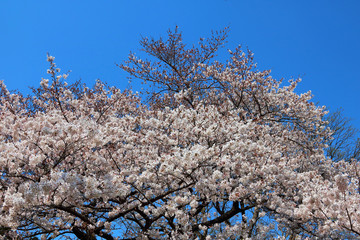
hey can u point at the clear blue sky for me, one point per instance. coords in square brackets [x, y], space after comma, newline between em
[316, 40]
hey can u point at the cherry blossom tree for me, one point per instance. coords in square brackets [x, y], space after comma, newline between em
[217, 151]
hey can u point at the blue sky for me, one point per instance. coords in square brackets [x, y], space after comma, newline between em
[318, 41]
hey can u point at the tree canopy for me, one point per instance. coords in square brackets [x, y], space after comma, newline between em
[219, 150]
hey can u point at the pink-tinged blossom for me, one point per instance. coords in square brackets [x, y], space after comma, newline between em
[50, 58]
